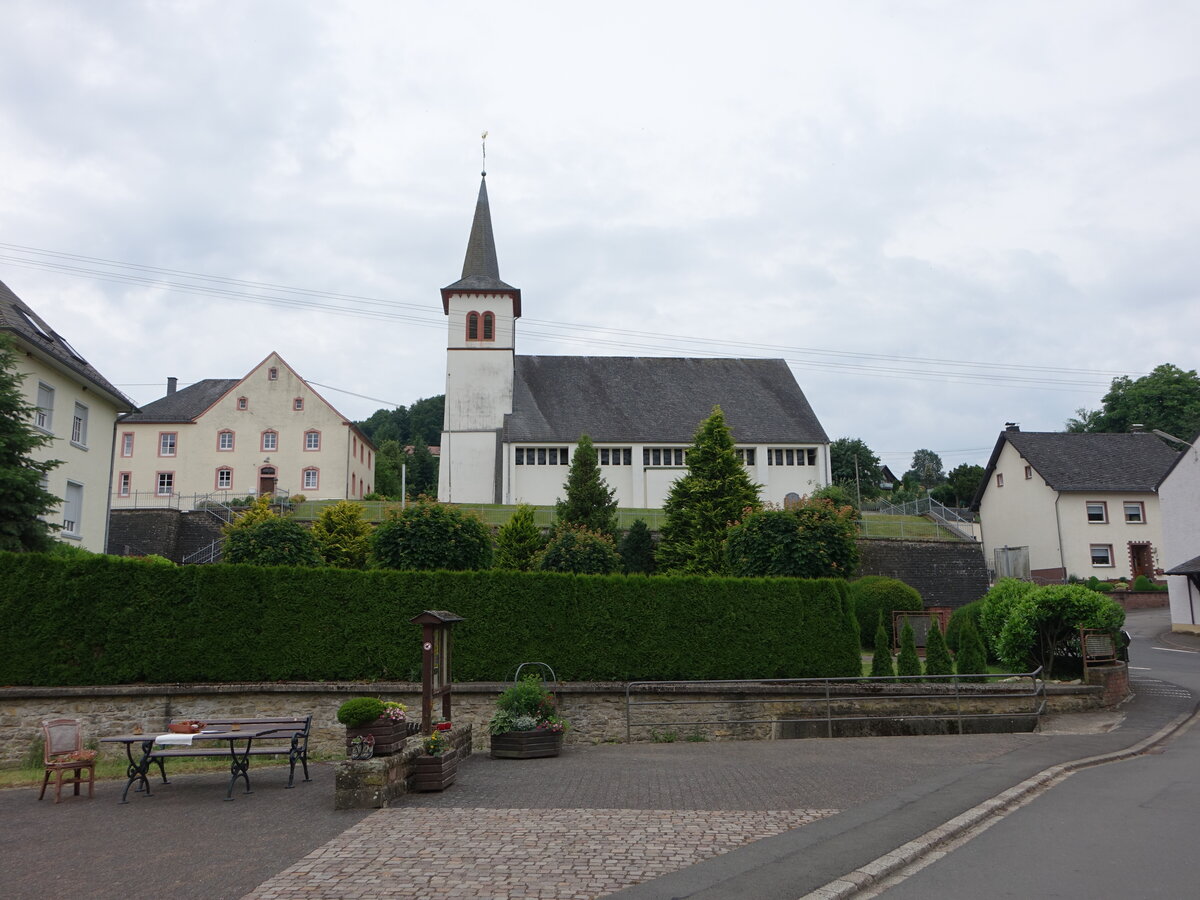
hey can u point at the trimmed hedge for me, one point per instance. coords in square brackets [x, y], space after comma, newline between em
[107, 620]
[872, 595]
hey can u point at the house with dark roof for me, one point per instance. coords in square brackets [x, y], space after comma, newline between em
[77, 406]
[512, 422]
[269, 432]
[1081, 504]
[1179, 498]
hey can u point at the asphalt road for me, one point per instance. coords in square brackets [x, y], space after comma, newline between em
[1126, 829]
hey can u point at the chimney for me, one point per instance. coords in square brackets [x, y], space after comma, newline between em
[1011, 426]
[1137, 428]
[171, 383]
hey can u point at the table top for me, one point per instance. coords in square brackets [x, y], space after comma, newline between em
[218, 731]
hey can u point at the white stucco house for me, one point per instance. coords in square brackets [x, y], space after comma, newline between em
[512, 422]
[1083, 504]
[78, 407]
[268, 432]
[1179, 499]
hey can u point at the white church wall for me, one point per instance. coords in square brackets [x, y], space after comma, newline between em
[460, 478]
[480, 405]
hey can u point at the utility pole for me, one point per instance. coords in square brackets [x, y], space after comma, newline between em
[857, 483]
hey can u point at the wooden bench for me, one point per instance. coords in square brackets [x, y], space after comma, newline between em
[289, 739]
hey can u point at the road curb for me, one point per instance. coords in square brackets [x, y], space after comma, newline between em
[882, 867]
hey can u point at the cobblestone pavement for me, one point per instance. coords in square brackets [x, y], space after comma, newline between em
[504, 854]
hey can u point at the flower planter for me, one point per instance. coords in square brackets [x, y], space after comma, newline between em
[389, 736]
[434, 773]
[526, 744]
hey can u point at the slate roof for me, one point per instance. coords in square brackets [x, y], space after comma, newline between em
[185, 405]
[481, 270]
[1088, 462]
[640, 399]
[17, 318]
[1191, 567]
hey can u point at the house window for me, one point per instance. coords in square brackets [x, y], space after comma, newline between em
[79, 423]
[1028, 472]
[1097, 512]
[127, 443]
[489, 327]
[166, 443]
[164, 484]
[1135, 512]
[999, 479]
[270, 440]
[312, 479]
[72, 508]
[224, 440]
[312, 440]
[243, 403]
[272, 374]
[745, 455]
[124, 483]
[224, 479]
[298, 403]
[43, 416]
[1102, 554]
[472, 326]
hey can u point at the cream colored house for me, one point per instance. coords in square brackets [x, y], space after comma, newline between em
[512, 422]
[266, 433]
[1179, 497]
[79, 407]
[1083, 504]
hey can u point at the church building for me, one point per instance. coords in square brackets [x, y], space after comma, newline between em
[512, 422]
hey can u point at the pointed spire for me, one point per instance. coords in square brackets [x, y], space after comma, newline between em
[481, 246]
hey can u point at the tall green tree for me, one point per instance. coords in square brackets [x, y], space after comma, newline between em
[908, 663]
[843, 454]
[388, 462]
[23, 500]
[882, 664]
[425, 420]
[1167, 399]
[519, 541]
[637, 550]
[971, 660]
[589, 502]
[937, 657]
[715, 493]
[960, 487]
[927, 469]
[422, 470]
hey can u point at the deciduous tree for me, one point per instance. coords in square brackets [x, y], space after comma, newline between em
[431, 535]
[843, 454]
[1167, 399]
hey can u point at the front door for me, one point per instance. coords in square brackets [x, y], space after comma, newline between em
[1141, 560]
[266, 480]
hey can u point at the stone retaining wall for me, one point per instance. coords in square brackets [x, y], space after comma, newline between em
[596, 711]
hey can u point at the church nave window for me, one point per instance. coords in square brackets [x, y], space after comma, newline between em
[745, 455]
[664, 456]
[778, 456]
[541, 456]
[616, 456]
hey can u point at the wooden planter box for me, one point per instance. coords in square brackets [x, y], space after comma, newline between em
[434, 773]
[389, 736]
[526, 744]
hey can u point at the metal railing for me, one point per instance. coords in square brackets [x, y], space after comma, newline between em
[205, 555]
[839, 700]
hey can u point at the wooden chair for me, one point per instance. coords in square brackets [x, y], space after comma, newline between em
[63, 750]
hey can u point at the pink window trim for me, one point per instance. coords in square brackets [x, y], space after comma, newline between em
[217, 478]
[232, 440]
[174, 445]
[298, 404]
[353, 483]
[489, 326]
[316, 449]
[125, 483]
[316, 485]
[243, 403]
[124, 435]
[273, 374]
[262, 441]
[472, 326]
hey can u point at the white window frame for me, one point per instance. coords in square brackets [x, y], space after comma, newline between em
[311, 478]
[79, 426]
[126, 444]
[168, 444]
[73, 509]
[1140, 506]
[274, 435]
[1108, 550]
[43, 415]
[164, 484]
[1102, 511]
[221, 436]
[228, 478]
[312, 440]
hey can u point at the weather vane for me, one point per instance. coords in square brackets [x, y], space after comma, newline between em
[483, 143]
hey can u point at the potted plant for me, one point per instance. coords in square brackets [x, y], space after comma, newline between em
[526, 724]
[385, 724]
[437, 765]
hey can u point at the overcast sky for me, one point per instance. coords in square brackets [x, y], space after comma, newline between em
[944, 215]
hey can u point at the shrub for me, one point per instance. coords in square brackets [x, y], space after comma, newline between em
[637, 550]
[519, 541]
[526, 706]
[813, 538]
[577, 550]
[839, 495]
[908, 663]
[937, 657]
[274, 541]
[875, 595]
[428, 535]
[360, 711]
[970, 611]
[342, 537]
[1142, 583]
[1041, 622]
[882, 665]
[971, 661]
[997, 603]
[1102, 587]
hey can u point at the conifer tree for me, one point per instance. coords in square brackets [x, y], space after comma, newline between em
[714, 494]
[589, 501]
[422, 470]
[971, 661]
[519, 541]
[23, 500]
[937, 657]
[881, 660]
[908, 663]
[342, 537]
[637, 550]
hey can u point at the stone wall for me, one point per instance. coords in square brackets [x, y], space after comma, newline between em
[165, 532]
[596, 711]
[944, 573]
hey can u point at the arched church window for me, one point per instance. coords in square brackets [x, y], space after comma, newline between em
[472, 326]
[489, 327]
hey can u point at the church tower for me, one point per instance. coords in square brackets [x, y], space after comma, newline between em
[482, 312]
